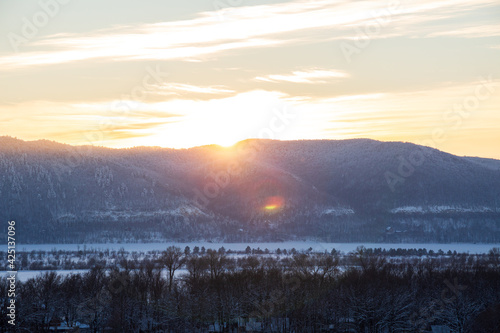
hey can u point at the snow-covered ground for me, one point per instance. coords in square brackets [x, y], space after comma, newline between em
[24, 276]
[338, 211]
[440, 209]
[298, 245]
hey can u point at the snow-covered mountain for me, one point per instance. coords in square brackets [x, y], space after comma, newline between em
[350, 190]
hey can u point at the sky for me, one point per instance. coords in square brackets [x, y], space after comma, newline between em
[123, 73]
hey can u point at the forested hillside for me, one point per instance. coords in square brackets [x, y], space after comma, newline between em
[351, 190]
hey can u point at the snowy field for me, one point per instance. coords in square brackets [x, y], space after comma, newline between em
[24, 276]
[298, 245]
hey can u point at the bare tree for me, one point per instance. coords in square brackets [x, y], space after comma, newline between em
[217, 262]
[460, 311]
[173, 259]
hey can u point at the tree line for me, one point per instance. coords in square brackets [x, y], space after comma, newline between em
[302, 292]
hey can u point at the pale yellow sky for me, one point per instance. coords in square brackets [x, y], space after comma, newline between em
[161, 73]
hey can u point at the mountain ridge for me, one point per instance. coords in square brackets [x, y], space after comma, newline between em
[341, 190]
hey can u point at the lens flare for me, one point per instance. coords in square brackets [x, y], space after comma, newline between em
[274, 203]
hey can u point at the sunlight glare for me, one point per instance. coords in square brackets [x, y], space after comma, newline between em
[274, 203]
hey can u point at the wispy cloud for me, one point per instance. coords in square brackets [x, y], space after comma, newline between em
[307, 76]
[176, 123]
[488, 30]
[413, 115]
[174, 88]
[246, 27]
[82, 123]
[123, 52]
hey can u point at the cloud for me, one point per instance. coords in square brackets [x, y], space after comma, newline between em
[243, 27]
[307, 76]
[175, 123]
[82, 123]
[409, 115]
[173, 88]
[487, 30]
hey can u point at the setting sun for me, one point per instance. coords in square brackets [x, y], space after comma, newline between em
[289, 70]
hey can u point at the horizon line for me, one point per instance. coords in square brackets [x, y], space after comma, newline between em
[233, 145]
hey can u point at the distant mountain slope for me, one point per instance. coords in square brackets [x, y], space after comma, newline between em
[383, 175]
[351, 190]
[485, 162]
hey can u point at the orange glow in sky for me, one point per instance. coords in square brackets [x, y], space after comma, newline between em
[177, 74]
